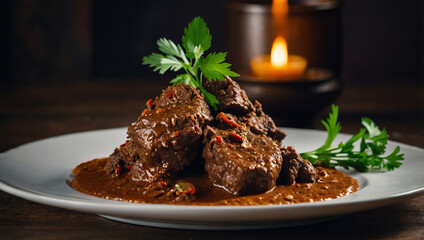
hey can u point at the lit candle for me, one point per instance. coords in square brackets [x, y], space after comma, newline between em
[280, 65]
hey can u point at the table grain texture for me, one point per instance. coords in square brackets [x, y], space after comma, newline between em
[35, 112]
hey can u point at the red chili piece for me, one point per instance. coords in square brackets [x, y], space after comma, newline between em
[219, 139]
[176, 133]
[149, 103]
[129, 167]
[164, 184]
[118, 170]
[170, 94]
[236, 137]
[232, 123]
[160, 110]
[190, 191]
[145, 111]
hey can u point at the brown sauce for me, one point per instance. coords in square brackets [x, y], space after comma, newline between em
[91, 178]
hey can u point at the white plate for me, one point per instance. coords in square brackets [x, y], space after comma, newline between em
[38, 172]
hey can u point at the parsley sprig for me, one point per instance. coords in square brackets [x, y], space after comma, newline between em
[371, 153]
[196, 41]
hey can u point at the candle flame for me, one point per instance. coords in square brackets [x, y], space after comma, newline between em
[279, 52]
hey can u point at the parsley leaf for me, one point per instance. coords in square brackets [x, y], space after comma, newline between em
[371, 127]
[196, 34]
[153, 61]
[332, 126]
[170, 62]
[371, 153]
[213, 67]
[196, 41]
[169, 47]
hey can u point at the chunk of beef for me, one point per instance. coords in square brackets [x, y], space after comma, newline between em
[122, 158]
[295, 168]
[239, 160]
[232, 98]
[167, 135]
[227, 121]
[260, 123]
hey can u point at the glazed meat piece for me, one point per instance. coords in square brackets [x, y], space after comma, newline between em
[232, 98]
[121, 159]
[295, 168]
[260, 123]
[240, 161]
[167, 135]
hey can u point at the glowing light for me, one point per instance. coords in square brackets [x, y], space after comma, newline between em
[280, 7]
[279, 52]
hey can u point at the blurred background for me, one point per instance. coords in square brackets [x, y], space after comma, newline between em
[47, 41]
[73, 65]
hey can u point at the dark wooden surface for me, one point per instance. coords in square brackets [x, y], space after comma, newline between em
[31, 113]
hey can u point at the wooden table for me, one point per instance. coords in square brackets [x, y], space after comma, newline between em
[31, 113]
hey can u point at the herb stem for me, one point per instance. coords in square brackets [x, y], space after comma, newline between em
[370, 155]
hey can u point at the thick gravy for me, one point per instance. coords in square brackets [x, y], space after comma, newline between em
[91, 178]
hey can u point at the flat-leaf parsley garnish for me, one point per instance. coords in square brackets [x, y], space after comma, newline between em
[370, 155]
[191, 59]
